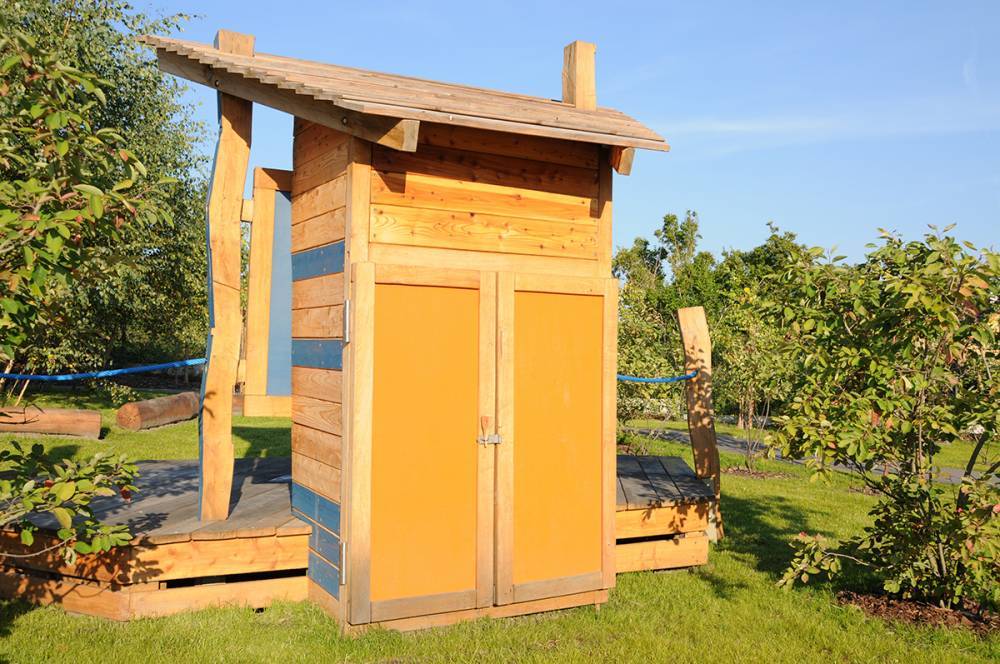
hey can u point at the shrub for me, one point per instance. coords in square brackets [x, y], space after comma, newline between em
[894, 358]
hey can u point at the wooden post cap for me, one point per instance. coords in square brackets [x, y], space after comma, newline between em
[579, 87]
[236, 43]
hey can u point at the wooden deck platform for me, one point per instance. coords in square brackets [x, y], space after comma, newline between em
[665, 514]
[176, 562]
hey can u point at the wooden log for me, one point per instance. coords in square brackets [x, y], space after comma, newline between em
[63, 422]
[159, 411]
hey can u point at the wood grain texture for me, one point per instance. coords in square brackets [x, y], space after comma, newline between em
[316, 414]
[435, 257]
[323, 167]
[504, 487]
[662, 521]
[150, 413]
[555, 151]
[322, 291]
[325, 384]
[362, 378]
[686, 551]
[486, 462]
[319, 230]
[609, 428]
[319, 445]
[579, 87]
[412, 275]
[322, 198]
[490, 169]
[322, 322]
[57, 421]
[253, 594]
[393, 224]
[316, 475]
[701, 415]
[315, 141]
[225, 202]
[439, 193]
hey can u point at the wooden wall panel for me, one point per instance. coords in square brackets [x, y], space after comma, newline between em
[322, 291]
[322, 198]
[319, 445]
[393, 224]
[489, 169]
[429, 191]
[318, 322]
[316, 231]
[569, 153]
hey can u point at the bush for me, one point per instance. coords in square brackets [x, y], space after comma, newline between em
[895, 358]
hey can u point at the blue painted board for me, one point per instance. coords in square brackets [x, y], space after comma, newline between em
[279, 339]
[324, 574]
[325, 544]
[328, 259]
[315, 508]
[318, 353]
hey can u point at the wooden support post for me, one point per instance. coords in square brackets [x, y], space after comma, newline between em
[225, 203]
[578, 84]
[701, 417]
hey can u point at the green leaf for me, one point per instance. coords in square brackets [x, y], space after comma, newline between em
[27, 537]
[63, 516]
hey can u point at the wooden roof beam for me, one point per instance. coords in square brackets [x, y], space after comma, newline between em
[391, 132]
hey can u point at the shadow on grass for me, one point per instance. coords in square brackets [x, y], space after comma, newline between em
[761, 529]
[266, 441]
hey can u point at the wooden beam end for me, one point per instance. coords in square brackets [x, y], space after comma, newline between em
[236, 43]
[621, 159]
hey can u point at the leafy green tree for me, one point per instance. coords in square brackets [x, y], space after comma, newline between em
[151, 305]
[68, 188]
[895, 358]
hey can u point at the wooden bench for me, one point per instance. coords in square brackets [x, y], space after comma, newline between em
[665, 515]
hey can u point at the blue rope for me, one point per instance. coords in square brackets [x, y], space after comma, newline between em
[672, 379]
[108, 373]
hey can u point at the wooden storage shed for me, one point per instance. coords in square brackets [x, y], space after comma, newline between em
[453, 324]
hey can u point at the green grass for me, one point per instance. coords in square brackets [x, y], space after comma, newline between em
[252, 436]
[728, 610]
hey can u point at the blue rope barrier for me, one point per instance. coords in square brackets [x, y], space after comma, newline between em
[107, 373]
[672, 379]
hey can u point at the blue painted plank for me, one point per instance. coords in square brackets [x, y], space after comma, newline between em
[326, 544]
[325, 575]
[317, 353]
[279, 340]
[327, 259]
[328, 514]
[315, 508]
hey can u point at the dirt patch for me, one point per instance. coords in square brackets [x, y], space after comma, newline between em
[754, 474]
[918, 613]
[864, 490]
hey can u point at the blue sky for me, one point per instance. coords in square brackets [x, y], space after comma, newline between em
[830, 121]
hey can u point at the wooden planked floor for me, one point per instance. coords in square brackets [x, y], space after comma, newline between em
[646, 482]
[166, 507]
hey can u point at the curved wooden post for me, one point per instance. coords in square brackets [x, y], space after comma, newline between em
[701, 416]
[225, 203]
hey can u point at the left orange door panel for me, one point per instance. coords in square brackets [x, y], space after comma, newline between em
[424, 451]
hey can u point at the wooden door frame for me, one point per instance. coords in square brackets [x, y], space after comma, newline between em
[508, 284]
[366, 277]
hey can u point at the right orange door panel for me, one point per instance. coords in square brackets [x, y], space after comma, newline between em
[558, 349]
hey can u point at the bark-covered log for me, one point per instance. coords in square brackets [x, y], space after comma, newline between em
[64, 422]
[157, 412]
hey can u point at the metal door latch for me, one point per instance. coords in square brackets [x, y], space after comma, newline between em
[488, 439]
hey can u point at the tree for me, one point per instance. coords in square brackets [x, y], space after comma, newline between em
[894, 358]
[151, 304]
[68, 189]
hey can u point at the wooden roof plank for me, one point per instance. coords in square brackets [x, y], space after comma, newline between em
[397, 133]
[385, 108]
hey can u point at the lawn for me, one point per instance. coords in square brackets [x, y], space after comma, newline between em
[954, 455]
[252, 436]
[728, 610]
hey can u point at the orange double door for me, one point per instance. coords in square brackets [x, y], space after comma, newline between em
[492, 441]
